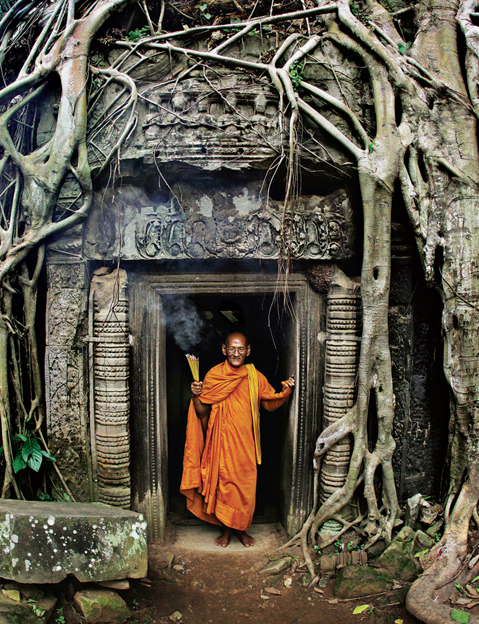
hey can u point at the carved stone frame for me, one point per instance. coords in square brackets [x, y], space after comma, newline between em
[148, 388]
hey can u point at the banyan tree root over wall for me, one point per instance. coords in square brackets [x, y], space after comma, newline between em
[420, 145]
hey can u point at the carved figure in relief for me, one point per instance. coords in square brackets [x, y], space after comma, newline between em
[318, 229]
[219, 471]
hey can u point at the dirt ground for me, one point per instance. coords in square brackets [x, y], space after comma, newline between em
[211, 585]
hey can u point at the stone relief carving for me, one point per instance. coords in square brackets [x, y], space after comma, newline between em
[227, 123]
[343, 322]
[65, 391]
[320, 229]
[110, 340]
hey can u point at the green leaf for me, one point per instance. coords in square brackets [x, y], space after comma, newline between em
[460, 588]
[475, 579]
[48, 456]
[19, 438]
[207, 15]
[422, 552]
[32, 453]
[402, 48]
[460, 616]
[360, 609]
[202, 7]
[19, 463]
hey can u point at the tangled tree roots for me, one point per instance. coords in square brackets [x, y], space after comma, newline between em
[421, 145]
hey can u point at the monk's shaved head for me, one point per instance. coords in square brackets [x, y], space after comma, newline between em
[236, 348]
[232, 336]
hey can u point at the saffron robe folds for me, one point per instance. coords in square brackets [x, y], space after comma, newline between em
[219, 472]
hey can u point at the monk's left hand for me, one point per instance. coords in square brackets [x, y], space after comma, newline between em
[289, 382]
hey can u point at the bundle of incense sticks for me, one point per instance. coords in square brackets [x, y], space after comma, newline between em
[194, 363]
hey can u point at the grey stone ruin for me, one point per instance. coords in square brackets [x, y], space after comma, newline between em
[190, 218]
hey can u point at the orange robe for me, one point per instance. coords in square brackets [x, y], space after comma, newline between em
[219, 473]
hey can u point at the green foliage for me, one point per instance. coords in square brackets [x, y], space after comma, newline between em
[38, 611]
[460, 616]
[358, 12]
[338, 547]
[60, 619]
[296, 73]
[460, 588]
[362, 608]
[372, 146]
[404, 47]
[204, 12]
[27, 451]
[138, 33]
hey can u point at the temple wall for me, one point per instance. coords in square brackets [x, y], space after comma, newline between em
[191, 199]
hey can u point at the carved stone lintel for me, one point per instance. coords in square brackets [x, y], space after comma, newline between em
[320, 228]
[111, 441]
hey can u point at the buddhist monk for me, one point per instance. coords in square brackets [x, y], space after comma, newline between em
[219, 468]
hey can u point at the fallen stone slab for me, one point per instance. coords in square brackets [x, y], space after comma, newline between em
[276, 567]
[357, 580]
[25, 610]
[398, 558]
[102, 606]
[43, 542]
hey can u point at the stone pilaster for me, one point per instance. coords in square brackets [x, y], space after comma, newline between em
[66, 376]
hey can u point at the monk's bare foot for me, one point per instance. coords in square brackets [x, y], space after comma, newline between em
[245, 539]
[224, 539]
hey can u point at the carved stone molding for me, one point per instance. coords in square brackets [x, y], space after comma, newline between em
[319, 229]
[231, 123]
[110, 387]
[341, 362]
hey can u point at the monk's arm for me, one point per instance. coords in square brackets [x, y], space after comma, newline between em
[202, 409]
[276, 400]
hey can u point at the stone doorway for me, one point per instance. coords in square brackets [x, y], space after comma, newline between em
[268, 322]
[160, 382]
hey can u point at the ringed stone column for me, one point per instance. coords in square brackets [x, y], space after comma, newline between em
[109, 387]
[343, 323]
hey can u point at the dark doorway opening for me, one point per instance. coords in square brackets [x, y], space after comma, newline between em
[267, 321]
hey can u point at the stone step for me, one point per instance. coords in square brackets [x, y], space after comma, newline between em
[43, 542]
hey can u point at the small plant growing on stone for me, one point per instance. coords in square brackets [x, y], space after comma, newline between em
[138, 33]
[203, 11]
[60, 619]
[296, 73]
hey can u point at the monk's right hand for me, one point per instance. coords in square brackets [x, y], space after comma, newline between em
[196, 388]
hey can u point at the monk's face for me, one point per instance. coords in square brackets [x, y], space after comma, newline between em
[236, 350]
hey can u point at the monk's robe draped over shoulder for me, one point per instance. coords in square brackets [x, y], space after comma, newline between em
[219, 472]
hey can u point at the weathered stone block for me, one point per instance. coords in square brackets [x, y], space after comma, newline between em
[354, 581]
[102, 606]
[25, 610]
[43, 542]
[276, 567]
[398, 558]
